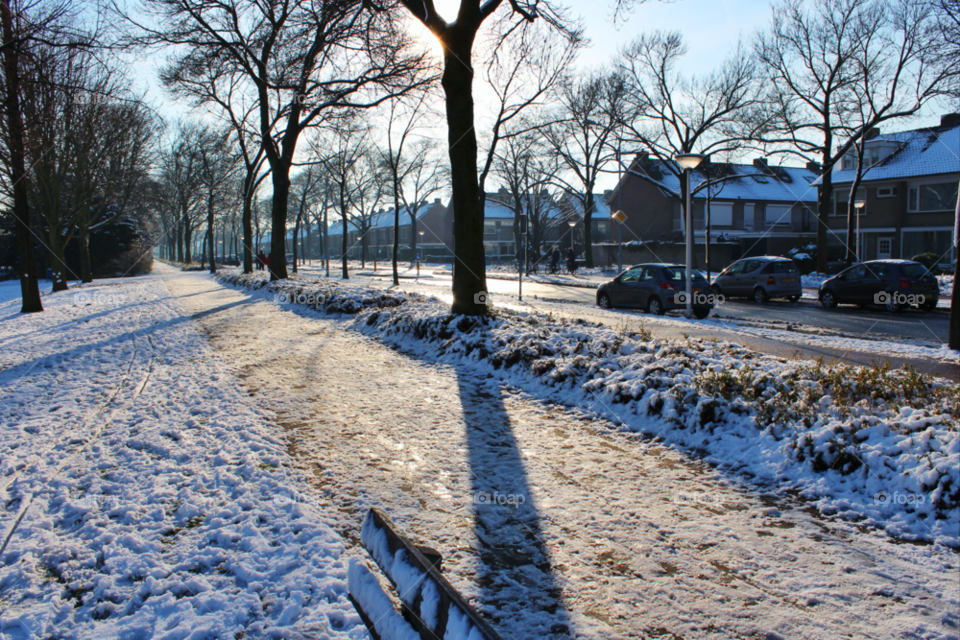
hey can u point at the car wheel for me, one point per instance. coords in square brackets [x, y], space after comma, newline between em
[700, 312]
[603, 301]
[715, 290]
[794, 298]
[655, 307]
[760, 295]
[892, 305]
[828, 300]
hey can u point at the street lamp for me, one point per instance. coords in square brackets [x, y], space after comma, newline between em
[689, 162]
[858, 205]
[572, 223]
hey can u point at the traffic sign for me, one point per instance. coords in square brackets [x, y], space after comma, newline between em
[619, 216]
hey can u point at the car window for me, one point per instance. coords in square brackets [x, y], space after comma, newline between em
[632, 275]
[650, 273]
[914, 270]
[855, 273]
[781, 266]
[733, 269]
[751, 265]
[679, 275]
[879, 270]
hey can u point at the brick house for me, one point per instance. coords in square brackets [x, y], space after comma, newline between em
[761, 208]
[432, 223]
[909, 185]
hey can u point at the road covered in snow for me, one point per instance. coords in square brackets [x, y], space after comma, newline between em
[574, 514]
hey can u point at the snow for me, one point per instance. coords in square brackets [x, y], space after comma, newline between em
[366, 589]
[784, 424]
[620, 534]
[813, 280]
[144, 493]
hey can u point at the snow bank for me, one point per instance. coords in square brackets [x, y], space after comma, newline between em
[156, 499]
[876, 446]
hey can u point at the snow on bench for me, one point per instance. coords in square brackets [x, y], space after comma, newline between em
[432, 608]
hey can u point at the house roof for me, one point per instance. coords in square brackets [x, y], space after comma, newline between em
[384, 219]
[923, 152]
[745, 181]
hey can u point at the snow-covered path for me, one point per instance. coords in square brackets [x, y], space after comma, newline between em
[142, 494]
[556, 524]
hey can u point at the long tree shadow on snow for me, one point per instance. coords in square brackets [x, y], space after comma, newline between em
[516, 575]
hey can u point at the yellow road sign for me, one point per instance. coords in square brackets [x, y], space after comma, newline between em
[619, 216]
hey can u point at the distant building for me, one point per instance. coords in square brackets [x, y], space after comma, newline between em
[909, 185]
[433, 235]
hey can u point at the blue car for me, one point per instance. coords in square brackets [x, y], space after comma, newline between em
[656, 288]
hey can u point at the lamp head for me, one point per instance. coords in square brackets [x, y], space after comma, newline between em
[859, 204]
[689, 160]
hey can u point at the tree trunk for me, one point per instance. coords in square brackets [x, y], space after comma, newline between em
[58, 265]
[823, 207]
[278, 237]
[413, 237]
[187, 244]
[587, 230]
[86, 270]
[29, 287]
[396, 231]
[469, 264]
[211, 245]
[296, 233]
[343, 233]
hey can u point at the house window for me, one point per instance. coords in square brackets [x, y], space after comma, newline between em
[748, 209]
[600, 227]
[886, 192]
[777, 215]
[932, 197]
[841, 200]
[721, 214]
[939, 242]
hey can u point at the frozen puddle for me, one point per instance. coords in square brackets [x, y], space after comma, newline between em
[554, 524]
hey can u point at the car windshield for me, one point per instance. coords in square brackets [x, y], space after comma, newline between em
[782, 266]
[680, 274]
[914, 270]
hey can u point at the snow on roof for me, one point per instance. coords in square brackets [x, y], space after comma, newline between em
[746, 182]
[923, 152]
[384, 219]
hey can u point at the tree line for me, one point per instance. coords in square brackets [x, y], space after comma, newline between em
[319, 111]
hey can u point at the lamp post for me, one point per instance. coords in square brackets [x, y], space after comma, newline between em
[689, 162]
[572, 223]
[858, 205]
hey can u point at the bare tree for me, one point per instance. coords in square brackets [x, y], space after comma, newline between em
[404, 117]
[823, 58]
[529, 65]
[426, 176]
[23, 25]
[457, 39]
[306, 189]
[222, 86]
[580, 138]
[341, 148]
[216, 165]
[301, 59]
[668, 114]
[526, 170]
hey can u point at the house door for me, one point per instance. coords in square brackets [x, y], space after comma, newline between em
[884, 248]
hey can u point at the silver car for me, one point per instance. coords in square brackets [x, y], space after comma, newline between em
[760, 278]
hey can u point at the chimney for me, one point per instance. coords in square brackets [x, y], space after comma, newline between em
[950, 120]
[607, 193]
[872, 133]
[761, 163]
[643, 156]
[813, 166]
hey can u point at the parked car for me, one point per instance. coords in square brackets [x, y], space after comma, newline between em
[892, 284]
[760, 278]
[654, 287]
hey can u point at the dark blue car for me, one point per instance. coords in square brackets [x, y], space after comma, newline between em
[656, 288]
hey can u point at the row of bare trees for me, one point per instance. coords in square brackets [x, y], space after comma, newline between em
[78, 145]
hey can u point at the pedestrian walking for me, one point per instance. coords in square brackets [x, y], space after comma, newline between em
[555, 261]
[571, 260]
[261, 260]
